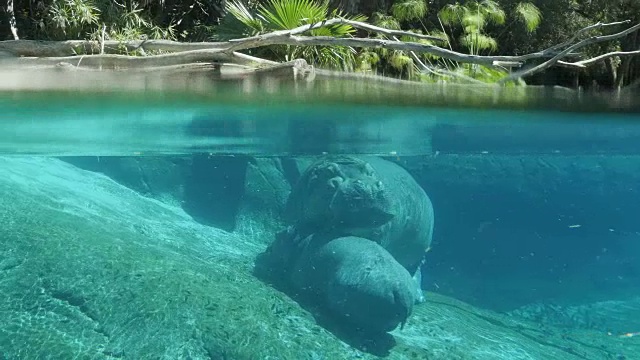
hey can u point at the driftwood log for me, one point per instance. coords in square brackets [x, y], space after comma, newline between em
[177, 56]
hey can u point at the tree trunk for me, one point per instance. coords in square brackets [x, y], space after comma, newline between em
[12, 19]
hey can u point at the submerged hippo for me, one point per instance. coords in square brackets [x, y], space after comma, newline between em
[368, 197]
[358, 280]
[357, 229]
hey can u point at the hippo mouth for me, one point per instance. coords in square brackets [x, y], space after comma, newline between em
[364, 217]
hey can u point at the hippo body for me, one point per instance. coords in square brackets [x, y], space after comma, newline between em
[358, 280]
[358, 228]
[367, 197]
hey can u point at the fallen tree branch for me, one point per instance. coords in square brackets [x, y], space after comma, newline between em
[598, 58]
[373, 43]
[288, 37]
[184, 76]
[35, 48]
[547, 64]
[77, 47]
[578, 33]
[207, 52]
[115, 62]
[356, 24]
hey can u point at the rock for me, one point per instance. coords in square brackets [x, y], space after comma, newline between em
[209, 188]
[263, 201]
[91, 269]
[159, 177]
[614, 316]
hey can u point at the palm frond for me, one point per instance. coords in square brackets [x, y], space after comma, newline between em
[492, 11]
[529, 14]
[407, 10]
[479, 41]
[452, 13]
[473, 21]
[385, 21]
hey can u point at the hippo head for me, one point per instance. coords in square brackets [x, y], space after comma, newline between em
[360, 202]
[360, 199]
[341, 191]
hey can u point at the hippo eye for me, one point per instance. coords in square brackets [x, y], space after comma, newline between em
[379, 184]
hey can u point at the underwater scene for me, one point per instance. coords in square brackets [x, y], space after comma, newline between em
[348, 219]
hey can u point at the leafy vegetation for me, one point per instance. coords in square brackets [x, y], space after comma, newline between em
[274, 15]
[477, 27]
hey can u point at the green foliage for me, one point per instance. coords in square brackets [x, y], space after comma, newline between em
[468, 21]
[474, 26]
[385, 21]
[126, 24]
[406, 10]
[245, 20]
[530, 15]
[478, 41]
[276, 15]
[475, 16]
[389, 62]
[85, 19]
[71, 18]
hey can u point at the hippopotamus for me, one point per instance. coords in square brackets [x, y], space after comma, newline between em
[357, 279]
[367, 197]
[357, 229]
[353, 277]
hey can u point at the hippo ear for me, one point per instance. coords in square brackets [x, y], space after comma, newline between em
[335, 182]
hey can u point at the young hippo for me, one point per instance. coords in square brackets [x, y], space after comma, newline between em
[356, 279]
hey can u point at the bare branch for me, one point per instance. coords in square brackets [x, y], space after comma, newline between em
[598, 25]
[111, 61]
[356, 24]
[596, 59]
[547, 64]
[389, 32]
[73, 47]
[250, 43]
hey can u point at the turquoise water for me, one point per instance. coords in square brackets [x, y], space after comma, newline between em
[134, 223]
